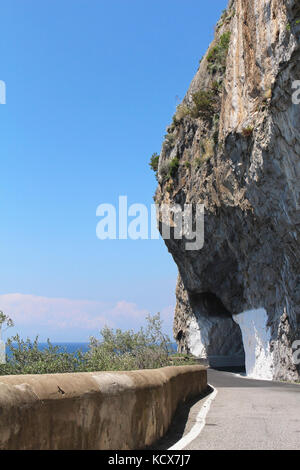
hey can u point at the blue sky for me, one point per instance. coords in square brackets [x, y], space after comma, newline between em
[91, 87]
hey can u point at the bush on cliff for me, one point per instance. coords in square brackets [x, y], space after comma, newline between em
[182, 111]
[173, 167]
[204, 104]
[170, 141]
[154, 161]
[217, 55]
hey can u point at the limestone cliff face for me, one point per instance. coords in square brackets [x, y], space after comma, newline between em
[234, 145]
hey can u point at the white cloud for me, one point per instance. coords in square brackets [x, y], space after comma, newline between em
[42, 314]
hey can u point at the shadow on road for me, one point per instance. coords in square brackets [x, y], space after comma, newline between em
[232, 369]
[182, 422]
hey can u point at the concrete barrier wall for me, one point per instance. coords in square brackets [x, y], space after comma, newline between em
[100, 410]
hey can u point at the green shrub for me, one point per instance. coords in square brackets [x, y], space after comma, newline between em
[224, 41]
[222, 19]
[117, 350]
[224, 14]
[225, 17]
[216, 87]
[26, 358]
[169, 169]
[181, 112]
[164, 171]
[154, 162]
[170, 140]
[217, 55]
[173, 166]
[289, 26]
[204, 104]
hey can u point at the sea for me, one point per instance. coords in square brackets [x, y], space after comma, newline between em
[63, 347]
[73, 347]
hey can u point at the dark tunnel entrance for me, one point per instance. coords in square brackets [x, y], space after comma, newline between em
[210, 304]
[225, 349]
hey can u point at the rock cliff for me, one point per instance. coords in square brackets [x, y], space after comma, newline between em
[234, 146]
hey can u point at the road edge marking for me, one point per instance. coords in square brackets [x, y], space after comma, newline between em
[199, 425]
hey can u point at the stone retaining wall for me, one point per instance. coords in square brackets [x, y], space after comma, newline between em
[100, 410]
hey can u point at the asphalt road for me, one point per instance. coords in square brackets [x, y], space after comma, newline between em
[245, 415]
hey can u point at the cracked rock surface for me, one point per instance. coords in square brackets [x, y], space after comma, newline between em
[237, 151]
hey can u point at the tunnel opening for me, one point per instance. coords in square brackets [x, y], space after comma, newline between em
[179, 335]
[209, 304]
[219, 334]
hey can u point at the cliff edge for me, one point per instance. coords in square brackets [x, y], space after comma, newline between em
[234, 146]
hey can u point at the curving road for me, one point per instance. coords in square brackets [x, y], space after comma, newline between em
[246, 414]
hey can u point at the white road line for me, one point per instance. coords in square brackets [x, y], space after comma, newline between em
[198, 426]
